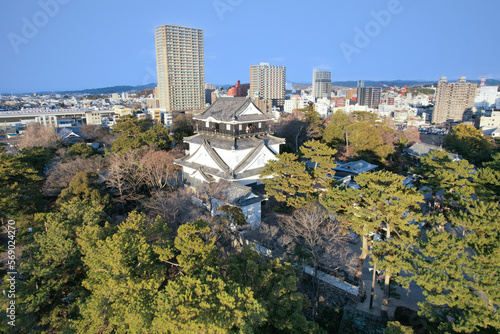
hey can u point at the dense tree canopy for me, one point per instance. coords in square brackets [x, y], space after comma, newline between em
[182, 127]
[81, 149]
[132, 133]
[470, 143]
[19, 186]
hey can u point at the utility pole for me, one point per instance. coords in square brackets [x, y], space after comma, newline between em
[373, 284]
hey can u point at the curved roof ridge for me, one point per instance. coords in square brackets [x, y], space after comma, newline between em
[249, 157]
[214, 155]
[208, 178]
[189, 156]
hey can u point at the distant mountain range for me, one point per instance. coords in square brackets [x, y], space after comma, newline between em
[352, 83]
[105, 90]
[396, 83]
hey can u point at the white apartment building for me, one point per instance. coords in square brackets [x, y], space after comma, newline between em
[486, 98]
[295, 102]
[323, 106]
[47, 120]
[93, 118]
[491, 122]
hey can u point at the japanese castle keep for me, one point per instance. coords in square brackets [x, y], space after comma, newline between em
[232, 143]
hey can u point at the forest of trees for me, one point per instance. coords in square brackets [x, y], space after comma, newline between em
[109, 242]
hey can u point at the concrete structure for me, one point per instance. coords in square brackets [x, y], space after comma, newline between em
[322, 84]
[156, 115]
[268, 82]
[265, 106]
[238, 90]
[369, 96]
[47, 120]
[230, 149]
[453, 99]
[338, 101]
[486, 98]
[492, 121]
[323, 106]
[46, 116]
[153, 103]
[93, 118]
[122, 111]
[294, 103]
[352, 94]
[180, 68]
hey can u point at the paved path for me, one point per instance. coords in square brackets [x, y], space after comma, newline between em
[407, 298]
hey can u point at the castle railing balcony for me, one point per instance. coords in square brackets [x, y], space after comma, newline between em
[233, 133]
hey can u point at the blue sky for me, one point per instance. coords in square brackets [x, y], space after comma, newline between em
[75, 44]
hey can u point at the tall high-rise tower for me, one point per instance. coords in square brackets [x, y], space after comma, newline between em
[180, 67]
[368, 96]
[453, 99]
[322, 84]
[268, 82]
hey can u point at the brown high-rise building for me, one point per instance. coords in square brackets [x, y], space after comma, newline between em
[268, 82]
[453, 99]
[180, 66]
[352, 93]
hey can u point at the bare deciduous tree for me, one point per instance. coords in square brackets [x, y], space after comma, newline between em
[60, 175]
[211, 193]
[321, 239]
[37, 135]
[97, 133]
[159, 169]
[294, 128]
[176, 207]
[125, 174]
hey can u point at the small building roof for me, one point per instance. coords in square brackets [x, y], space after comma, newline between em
[228, 109]
[420, 149]
[236, 194]
[69, 132]
[491, 131]
[355, 167]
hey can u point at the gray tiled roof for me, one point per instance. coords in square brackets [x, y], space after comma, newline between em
[355, 167]
[227, 109]
[236, 194]
[238, 143]
[418, 149]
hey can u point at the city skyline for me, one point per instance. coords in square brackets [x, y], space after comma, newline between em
[54, 45]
